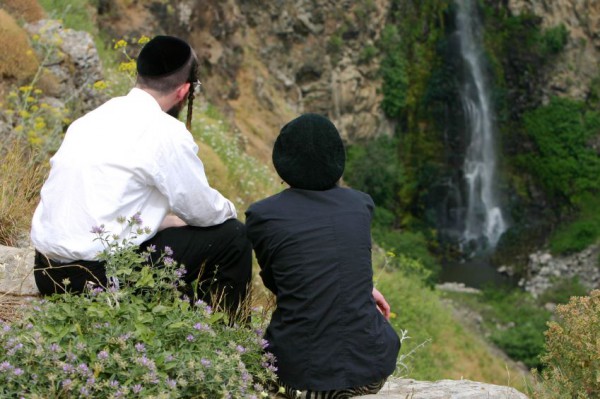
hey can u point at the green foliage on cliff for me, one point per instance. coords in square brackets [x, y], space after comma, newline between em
[562, 162]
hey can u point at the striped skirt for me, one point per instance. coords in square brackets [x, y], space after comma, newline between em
[292, 393]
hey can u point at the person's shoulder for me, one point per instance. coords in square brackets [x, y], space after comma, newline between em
[356, 195]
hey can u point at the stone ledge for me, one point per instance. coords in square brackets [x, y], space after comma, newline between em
[16, 271]
[445, 389]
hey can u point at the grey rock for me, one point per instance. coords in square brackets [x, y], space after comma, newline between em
[445, 389]
[16, 271]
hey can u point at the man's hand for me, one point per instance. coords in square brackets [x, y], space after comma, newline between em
[381, 303]
[171, 221]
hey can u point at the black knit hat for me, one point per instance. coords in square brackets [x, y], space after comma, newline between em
[309, 153]
[163, 55]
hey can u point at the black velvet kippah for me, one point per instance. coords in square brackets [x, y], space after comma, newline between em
[163, 55]
[309, 153]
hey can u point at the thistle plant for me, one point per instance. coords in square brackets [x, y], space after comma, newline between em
[138, 339]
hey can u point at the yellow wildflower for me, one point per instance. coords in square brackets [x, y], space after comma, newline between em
[19, 128]
[128, 67]
[24, 113]
[100, 85]
[121, 43]
[35, 37]
[25, 89]
[143, 40]
[30, 99]
[37, 91]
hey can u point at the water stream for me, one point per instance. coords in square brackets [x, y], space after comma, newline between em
[484, 220]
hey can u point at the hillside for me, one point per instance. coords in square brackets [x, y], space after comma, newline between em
[262, 64]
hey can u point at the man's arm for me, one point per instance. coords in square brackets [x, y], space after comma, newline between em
[381, 303]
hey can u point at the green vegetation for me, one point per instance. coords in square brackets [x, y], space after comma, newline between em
[572, 358]
[438, 346]
[581, 232]
[563, 163]
[511, 319]
[140, 340]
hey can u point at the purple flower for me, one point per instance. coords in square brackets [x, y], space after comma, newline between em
[18, 371]
[4, 366]
[137, 388]
[205, 362]
[171, 383]
[98, 229]
[168, 261]
[140, 347]
[168, 251]
[240, 349]
[102, 355]
[114, 383]
[151, 248]
[66, 384]
[190, 338]
[54, 347]
[136, 219]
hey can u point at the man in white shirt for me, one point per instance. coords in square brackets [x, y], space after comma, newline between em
[132, 157]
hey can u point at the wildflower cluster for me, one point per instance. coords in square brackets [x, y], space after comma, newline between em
[128, 64]
[34, 120]
[140, 339]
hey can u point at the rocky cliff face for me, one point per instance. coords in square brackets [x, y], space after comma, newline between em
[266, 62]
[572, 74]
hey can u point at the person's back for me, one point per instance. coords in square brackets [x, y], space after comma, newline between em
[314, 247]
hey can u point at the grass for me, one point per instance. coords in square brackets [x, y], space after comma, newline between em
[20, 182]
[440, 346]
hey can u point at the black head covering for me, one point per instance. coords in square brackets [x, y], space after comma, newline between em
[163, 55]
[309, 153]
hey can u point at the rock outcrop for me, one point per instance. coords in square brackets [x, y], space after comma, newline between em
[445, 389]
[577, 66]
[545, 270]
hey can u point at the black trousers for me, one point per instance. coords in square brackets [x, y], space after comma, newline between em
[218, 260]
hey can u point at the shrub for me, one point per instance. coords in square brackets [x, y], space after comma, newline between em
[27, 10]
[572, 358]
[140, 340]
[553, 40]
[17, 58]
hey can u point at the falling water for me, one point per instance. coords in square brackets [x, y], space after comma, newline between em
[484, 222]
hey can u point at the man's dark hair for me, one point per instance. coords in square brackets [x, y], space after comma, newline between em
[167, 83]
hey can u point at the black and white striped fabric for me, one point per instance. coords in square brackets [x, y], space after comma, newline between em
[292, 393]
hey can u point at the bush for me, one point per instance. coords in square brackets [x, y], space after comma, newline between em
[17, 58]
[553, 40]
[572, 358]
[27, 10]
[140, 340]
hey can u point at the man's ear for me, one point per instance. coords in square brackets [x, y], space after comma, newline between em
[183, 91]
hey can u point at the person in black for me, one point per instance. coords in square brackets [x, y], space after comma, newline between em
[329, 332]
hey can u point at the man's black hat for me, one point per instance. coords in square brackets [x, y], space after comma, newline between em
[163, 55]
[309, 153]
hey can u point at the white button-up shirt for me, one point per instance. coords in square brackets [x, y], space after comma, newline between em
[125, 157]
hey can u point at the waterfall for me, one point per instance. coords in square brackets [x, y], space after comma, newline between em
[484, 222]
